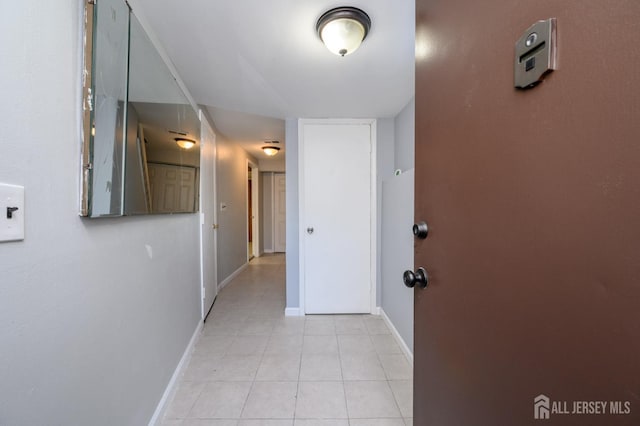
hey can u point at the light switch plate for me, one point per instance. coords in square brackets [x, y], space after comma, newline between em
[11, 196]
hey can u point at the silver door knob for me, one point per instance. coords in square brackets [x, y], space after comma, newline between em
[310, 230]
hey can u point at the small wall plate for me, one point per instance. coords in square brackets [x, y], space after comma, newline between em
[536, 54]
[11, 212]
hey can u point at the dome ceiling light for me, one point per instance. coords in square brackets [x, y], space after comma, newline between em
[270, 150]
[343, 29]
[185, 143]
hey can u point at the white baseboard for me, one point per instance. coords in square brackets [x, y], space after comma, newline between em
[232, 276]
[292, 312]
[396, 335]
[376, 310]
[170, 391]
[268, 251]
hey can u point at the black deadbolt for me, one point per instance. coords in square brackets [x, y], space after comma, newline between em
[421, 230]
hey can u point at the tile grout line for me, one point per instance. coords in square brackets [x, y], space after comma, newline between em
[386, 375]
[255, 375]
[344, 388]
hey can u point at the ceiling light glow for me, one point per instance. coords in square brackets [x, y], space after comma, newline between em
[343, 29]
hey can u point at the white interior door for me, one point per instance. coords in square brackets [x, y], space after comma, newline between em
[208, 222]
[336, 217]
[279, 213]
[173, 188]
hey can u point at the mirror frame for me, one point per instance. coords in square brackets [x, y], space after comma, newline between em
[87, 107]
[87, 168]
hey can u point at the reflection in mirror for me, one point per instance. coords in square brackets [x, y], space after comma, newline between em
[110, 51]
[137, 111]
[161, 177]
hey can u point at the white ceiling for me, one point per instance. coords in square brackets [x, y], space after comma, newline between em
[255, 62]
[249, 130]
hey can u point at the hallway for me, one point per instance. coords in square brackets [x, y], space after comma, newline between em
[252, 366]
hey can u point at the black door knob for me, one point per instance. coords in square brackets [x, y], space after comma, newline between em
[421, 230]
[420, 277]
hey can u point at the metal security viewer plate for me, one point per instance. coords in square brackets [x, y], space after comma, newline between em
[536, 54]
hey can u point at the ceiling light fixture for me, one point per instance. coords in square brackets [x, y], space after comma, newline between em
[185, 143]
[343, 29]
[270, 150]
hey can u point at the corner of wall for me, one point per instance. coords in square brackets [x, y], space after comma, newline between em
[293, 246]
[405, 137]
[385, 143]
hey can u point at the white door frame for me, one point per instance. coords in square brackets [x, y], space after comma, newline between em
[203, 197]
[374, 203]
[255, 191]
[272, 179]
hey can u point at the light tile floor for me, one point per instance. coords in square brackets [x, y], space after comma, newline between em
[252, 366]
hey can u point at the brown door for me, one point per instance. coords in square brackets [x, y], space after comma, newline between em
[533, 203]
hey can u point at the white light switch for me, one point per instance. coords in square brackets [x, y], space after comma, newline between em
[11, 212]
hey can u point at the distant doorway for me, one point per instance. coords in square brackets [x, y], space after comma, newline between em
[253, 232]
[249, 215]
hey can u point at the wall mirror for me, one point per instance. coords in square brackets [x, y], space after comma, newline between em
[135, 115]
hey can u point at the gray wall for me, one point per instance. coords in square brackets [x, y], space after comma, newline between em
[188, 158]
[293, 217]
[231, 181]
[397, 252]
[95, 314]
[277, 164]
[404, 135]
[384, 156]
[397, 220]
